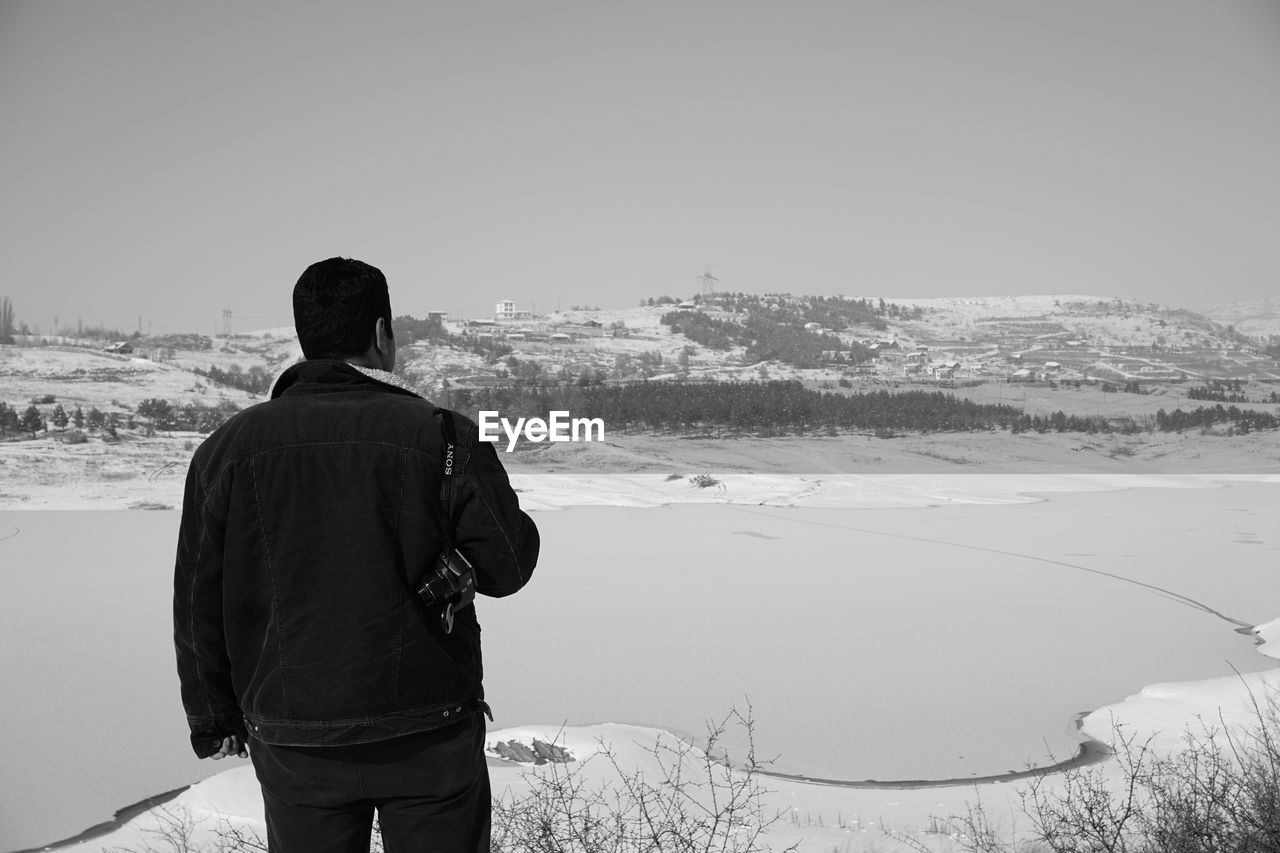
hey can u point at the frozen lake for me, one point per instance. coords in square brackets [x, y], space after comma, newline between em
[872, 643]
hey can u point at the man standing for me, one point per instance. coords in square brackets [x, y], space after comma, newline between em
[308, 523]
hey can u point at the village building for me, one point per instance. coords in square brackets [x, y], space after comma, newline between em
[504, 311]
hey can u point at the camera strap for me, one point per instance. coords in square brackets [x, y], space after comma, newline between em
[456, 454]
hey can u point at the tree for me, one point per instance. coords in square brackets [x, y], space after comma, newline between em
[60, 419]
[6, 321]
[8, 420]
[96, 418]
[160, 412]
[77, 417]
[32, 421]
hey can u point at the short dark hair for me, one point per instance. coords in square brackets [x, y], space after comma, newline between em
[335, 306]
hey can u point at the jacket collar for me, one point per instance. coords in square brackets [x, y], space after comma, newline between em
[335, 372]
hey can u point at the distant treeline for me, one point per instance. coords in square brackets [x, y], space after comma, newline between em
[255, 380]
[780, 407]
[1243, 420]
[189, 417]
[151, 414]
[776, 407]
[1223, 391]
[786, 407]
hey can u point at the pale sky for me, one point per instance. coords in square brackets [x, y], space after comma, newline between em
[171, 159]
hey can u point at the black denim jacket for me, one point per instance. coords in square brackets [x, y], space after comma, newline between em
[306, 522]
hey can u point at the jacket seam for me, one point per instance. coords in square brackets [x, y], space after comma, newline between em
[399, 642]
[191, 600]
[515, 554]
[207, 489]
[275, 591]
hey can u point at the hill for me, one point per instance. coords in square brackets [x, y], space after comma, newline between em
[721, 337]
[132, 418]
[1259, 318]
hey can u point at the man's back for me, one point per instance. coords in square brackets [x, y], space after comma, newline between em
[326, 502]
[307, 523]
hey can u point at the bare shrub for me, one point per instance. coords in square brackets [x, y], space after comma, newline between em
[704, 481]
[698, 802]
[1219, 793]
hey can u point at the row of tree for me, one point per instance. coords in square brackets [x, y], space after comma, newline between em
[256, 380]
[1222, 391]
[151, 414]
[787, 407]
[34, 419]
[1242, 420]
[162, 414]
[775, 407]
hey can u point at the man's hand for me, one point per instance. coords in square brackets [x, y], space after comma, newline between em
[231, 745]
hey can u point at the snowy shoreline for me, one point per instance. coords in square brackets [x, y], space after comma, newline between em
[1158, 714]
[839, 491]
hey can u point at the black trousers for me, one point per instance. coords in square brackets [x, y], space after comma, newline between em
[430, 791]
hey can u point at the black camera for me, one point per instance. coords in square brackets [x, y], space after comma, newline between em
[453, 584]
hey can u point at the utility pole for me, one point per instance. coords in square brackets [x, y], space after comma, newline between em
[707, 280]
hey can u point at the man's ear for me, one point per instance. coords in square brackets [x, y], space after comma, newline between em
[381, 335]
